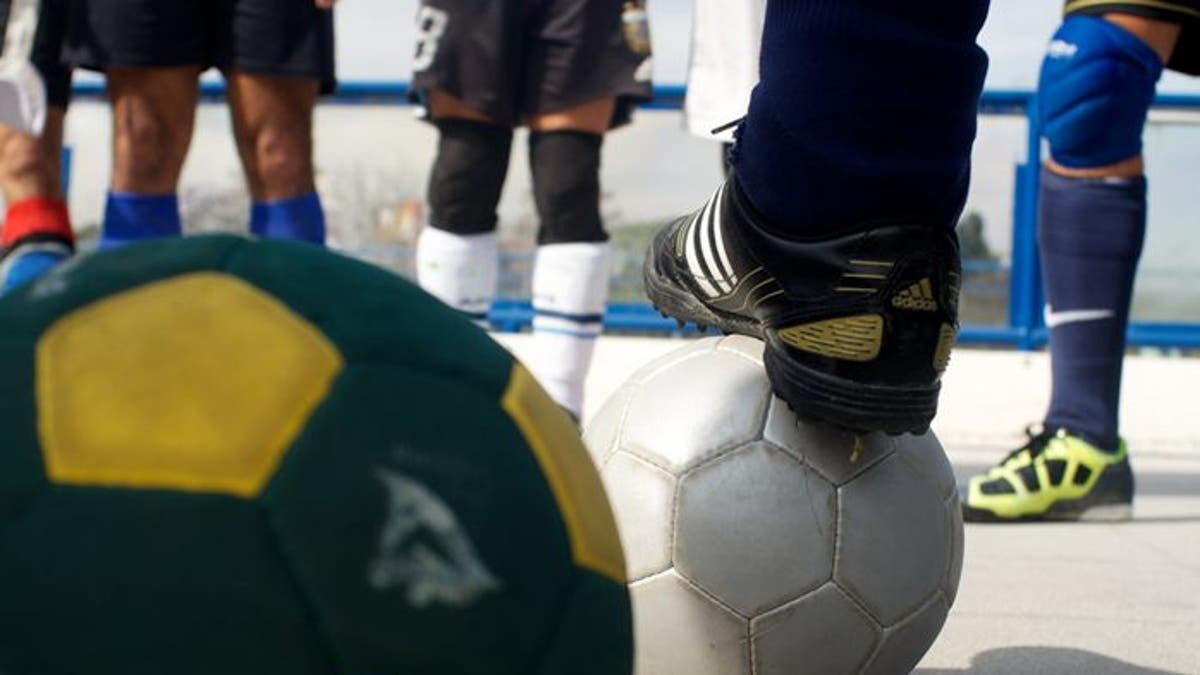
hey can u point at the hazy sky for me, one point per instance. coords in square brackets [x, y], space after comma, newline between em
[375, 40]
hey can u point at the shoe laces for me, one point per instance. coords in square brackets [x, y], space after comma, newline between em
[736, 125]
[1037, 437]
[728, 125]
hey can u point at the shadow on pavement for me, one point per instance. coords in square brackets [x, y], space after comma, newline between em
[1165, 519]
[1045, 661]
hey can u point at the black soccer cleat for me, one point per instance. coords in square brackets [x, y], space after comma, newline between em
[858, 327]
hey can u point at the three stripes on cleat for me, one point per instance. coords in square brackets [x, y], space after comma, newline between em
[702, 244]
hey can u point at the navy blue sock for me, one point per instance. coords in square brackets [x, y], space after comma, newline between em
[1090, 236]
[864, 113]
[300, 218]
[130, 217]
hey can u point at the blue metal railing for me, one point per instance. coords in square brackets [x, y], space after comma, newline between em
[1025, 328]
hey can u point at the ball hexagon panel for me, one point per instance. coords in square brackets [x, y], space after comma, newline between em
[925, 454]
[893, 538]
[755, 528]
[680, 630]
[746, 347]
[689, 349]
[696, 408]
[905, 643]
[642, 497]
[603, 433]
[954, 568]
[822, 633]
[828, 450]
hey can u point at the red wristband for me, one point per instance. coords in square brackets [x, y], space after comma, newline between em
[37, 215]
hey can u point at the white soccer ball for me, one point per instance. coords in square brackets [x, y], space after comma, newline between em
[758, 544]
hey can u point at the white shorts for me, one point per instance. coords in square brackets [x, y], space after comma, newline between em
[726, 36]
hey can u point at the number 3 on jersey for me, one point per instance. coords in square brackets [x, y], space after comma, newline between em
[431, 25]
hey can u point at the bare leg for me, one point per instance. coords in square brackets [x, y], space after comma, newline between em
[37, 232]
[273, 126]
[154, 112]
[29, 166]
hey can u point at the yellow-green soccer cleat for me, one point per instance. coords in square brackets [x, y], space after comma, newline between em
[1056, 475]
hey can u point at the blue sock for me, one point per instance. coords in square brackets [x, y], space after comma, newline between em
[1090, 237]
[864, 113]
[130, 217]
[300, 218]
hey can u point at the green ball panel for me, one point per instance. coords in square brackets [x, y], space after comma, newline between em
[372, 315]
[594, 635]
[430, 541]
[21, 470]
[122, 582]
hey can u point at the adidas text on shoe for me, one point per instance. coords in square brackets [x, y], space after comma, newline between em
[858, 326]
[1056, 475]
[918, 297]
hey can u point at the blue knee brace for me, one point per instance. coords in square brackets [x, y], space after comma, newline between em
[1096, 86]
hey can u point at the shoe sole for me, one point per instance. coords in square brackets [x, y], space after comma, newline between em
[857, 407]
[1063, 512]
[681, 305]
[812, 395]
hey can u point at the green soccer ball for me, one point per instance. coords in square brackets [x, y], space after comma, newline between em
[231, 456]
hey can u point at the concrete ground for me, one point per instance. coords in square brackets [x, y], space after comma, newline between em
[1077, 599]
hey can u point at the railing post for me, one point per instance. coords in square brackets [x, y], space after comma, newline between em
[1025, 285]
[64, 163]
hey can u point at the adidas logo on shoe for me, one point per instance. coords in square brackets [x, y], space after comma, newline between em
[918, 297]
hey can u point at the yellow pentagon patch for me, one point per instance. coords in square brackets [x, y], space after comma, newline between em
[568, 469]
[197, 383]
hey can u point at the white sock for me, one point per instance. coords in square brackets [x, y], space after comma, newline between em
[570, 289]
[460, 270]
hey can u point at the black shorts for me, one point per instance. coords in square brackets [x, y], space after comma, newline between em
[287, 38]
[511, 59]
[47, 49]
[1186, 58]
